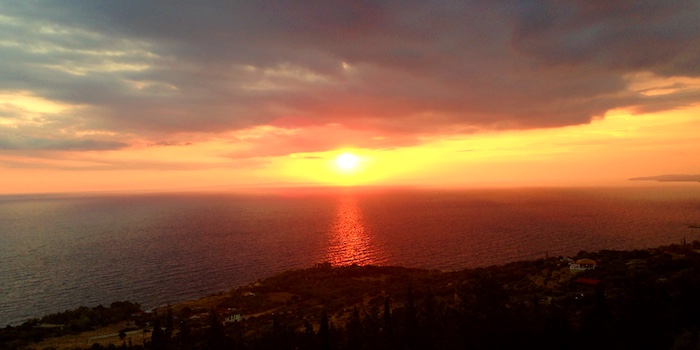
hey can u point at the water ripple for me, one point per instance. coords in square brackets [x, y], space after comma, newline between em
[60, 253]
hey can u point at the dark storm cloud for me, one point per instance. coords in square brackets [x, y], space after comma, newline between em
[659, 36]
[397, 67]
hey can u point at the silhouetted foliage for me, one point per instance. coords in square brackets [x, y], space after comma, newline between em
[215, 337]
[324, 332]
[184, 335]
[410, 323]
[643, 299]
[387, 327]
[169, 325]
[158, 339]
[354, 331]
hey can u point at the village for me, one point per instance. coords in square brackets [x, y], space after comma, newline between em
[576, 289]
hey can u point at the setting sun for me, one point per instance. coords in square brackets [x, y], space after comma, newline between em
[347, 161]
[347, 115]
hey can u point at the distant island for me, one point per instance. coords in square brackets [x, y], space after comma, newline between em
[639, 299]
[669, 178]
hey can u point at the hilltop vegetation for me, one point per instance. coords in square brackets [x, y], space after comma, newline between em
[632, 300]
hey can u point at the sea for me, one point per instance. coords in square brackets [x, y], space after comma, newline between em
[62, 251]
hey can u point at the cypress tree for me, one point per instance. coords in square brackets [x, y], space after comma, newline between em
[387, 329]
[429, 320]
[354, 330]
[216, 333]
[410, 327]
[324, 333]
[184, 333]
[157, 336]
[169, 325]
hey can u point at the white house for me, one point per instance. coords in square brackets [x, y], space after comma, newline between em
[583, 264]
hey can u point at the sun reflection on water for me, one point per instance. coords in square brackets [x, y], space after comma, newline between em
[349, 242]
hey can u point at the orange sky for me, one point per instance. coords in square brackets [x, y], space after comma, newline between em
[607, 151]
[420, 97]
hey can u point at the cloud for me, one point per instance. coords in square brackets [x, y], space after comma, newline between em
[30, 143]
[670, 178]
[382, 68]
[170, 143]
[273, 141]
[661, 37]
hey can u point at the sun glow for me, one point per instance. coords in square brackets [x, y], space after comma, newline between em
[347, 161]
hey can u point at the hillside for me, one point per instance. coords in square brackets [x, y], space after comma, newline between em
[631, 300]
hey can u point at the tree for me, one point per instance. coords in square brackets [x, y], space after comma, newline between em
[184, 334]
[428, 320]
[687, 340]
[324, 333]
[216, 333]
[122, 335]
[143, 339]
[158, 336]
[354, 330]
[410, 326]
[387, 328]
[279, 335]
[169, 325]
[308, 338]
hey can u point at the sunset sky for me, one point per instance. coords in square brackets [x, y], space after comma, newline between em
[132, 95]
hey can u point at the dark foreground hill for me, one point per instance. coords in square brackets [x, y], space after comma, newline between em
[642, 299]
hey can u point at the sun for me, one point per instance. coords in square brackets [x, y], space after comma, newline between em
[347, 161]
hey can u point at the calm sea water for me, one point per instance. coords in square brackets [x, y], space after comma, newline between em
[61, 252]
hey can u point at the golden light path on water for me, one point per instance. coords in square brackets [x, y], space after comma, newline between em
[349, 242]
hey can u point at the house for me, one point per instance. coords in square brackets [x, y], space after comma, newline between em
[234, 318]
[582, 265]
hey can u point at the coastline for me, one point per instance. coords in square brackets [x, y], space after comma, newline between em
[301, 296]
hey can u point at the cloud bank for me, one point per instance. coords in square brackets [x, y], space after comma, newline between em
[389, 70]
[670, 178]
